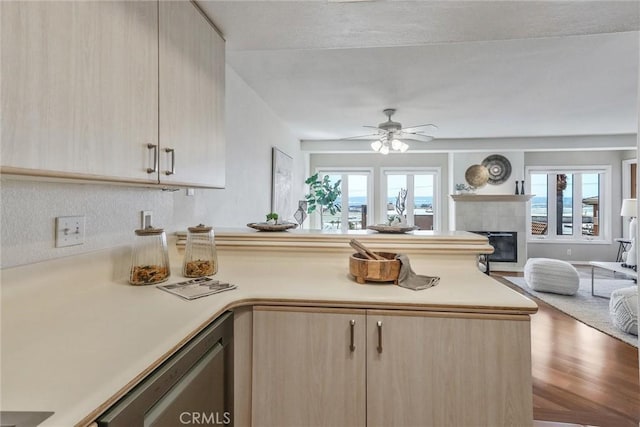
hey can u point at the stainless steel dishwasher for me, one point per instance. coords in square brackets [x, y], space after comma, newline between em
[194, 386]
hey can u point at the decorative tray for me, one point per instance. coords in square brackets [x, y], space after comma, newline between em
[382, 228]
[263, 226]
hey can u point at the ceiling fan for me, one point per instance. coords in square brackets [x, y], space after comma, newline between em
[391, 135]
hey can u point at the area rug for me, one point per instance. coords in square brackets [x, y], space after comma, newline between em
[584, 307]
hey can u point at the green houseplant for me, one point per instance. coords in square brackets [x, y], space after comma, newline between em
[323, 195]
[272, 218]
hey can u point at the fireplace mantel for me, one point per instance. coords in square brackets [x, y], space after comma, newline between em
[492, 197]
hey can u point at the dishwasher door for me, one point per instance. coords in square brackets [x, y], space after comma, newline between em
[193, 387]
[199, 395]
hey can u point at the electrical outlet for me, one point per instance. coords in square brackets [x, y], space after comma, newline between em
[146, 219]
[569, 251]
[191, 191]
[69, 231]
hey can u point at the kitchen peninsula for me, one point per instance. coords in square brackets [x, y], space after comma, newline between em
[76, 336]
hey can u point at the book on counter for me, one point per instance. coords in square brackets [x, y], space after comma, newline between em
[197, 288]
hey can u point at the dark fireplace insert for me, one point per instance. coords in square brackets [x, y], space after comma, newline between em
[505, 245]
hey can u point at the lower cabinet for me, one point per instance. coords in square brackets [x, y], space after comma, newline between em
[309, 367]
[341, 367]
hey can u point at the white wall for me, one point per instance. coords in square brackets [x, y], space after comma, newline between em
[462, 161]
[252, 129]
[29, 207]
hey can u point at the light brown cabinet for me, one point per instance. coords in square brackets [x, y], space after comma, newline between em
[309, 367]
[87, 93]
[79, 87]
[422, 368]
[191, 98]
[439, 369]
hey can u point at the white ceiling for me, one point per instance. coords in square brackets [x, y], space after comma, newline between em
[477, 69]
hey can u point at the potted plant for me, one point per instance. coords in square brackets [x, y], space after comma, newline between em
[323, 195]
[272, 218]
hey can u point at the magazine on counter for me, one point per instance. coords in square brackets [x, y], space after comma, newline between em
[197, 288]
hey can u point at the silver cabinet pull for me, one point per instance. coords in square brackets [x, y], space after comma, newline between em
[173, 161]
[379, 336]
[153, 147]
[352, 324]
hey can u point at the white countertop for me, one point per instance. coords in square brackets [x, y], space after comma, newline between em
[76, 335]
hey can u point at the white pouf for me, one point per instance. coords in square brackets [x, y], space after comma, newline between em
[551, 275]
[623, 309]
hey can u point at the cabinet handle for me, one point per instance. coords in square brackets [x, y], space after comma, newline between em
[173, 161]
[153, 147]
[379, 336]
[352, 324]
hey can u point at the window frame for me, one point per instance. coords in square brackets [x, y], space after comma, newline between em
[344, 196]
[436, 171]
[605, 197]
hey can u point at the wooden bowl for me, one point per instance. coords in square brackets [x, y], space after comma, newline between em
[364, 269]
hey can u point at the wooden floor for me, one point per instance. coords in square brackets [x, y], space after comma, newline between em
[580, 375]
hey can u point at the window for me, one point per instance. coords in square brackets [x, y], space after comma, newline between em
[422, 197]
[569, 204]
[356, 195]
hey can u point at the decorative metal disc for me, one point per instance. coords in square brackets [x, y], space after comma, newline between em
[499, 168]
[476, 176]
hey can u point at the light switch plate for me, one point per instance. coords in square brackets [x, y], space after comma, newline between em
[146, 218]
[69, 231]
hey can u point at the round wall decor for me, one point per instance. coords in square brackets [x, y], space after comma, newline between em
[499, 168]
[476, 176]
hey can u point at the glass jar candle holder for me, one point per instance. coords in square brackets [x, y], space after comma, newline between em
[200, 258]
[150, 257]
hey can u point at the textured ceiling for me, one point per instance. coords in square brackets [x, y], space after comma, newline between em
[476, 69]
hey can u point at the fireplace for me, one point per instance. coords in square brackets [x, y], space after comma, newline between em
[489, 212]
[505, 245]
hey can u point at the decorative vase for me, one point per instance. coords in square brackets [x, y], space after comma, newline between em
[301, 214]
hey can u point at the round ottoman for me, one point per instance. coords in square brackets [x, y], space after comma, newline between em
[551, 275]
[623, 309]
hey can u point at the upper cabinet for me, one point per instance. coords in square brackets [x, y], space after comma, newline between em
[79, 88]
[87, 94]
[191, 97]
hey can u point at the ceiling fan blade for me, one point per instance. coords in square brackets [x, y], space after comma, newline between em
[419, 126]
[362, 136]
[417, 137]
[416, 140]
[373, 127]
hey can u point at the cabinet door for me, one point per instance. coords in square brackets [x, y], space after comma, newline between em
[305, 372]
[448, 370]
[79, 88]
[191, 97]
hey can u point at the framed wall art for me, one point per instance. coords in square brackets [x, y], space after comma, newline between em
[281, 181]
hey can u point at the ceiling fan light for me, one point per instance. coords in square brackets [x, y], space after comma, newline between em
[404, 147]
[396, 144]
[376, 145]
[384, 149]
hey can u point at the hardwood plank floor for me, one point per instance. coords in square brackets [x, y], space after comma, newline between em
[580, 375]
